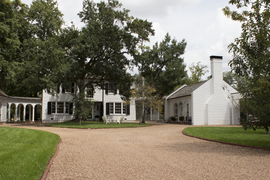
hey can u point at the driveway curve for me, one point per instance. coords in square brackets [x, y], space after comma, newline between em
[160, 151]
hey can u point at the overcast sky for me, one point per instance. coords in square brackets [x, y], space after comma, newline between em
[200, 22]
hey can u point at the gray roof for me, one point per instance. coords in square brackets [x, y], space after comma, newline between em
[186, 91]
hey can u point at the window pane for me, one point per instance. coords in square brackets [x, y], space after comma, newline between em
[111, 108]
[60, 107]
[53, 107]
[117, 108]
[66, 107]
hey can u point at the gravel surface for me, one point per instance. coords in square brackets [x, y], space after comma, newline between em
[157, 152]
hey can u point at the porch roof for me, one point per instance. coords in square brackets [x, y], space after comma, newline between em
[186, 91]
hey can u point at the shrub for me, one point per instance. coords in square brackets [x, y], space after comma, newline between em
[181, 118]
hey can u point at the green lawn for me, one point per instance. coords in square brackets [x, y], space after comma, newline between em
[95, 124]
[235, 135]
[25, 153]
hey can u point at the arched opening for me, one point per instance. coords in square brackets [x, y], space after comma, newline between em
[28, 114]
[37, 113]
[12, 112]
[20, 112]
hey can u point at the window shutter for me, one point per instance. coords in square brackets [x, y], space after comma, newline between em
[57, 89]
[49, 108]
[115, 90]
[106, 88]
[128, 109]
[70, 108]
[72, 88]
[107, 109]
[63, 90]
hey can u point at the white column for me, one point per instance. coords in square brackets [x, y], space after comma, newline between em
[30, 115]
[19, 112]
[9, 112]
[33, 113]
[16, 111]
[24, 112]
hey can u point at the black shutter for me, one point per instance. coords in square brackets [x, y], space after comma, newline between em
[63, 89]
[106, 88]
[57, 88]
[115, 90]
[49, 107]
[70, 108]
[72, 88]
[128, 109]
[107, 108]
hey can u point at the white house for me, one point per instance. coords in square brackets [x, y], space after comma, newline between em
[108, 103]
[211, 102]
[59, 107]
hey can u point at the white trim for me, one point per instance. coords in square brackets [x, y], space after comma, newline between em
[175, 91]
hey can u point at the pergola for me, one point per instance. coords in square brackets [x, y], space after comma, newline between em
[20, 105]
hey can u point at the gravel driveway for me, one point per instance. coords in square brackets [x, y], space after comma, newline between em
[157, 152]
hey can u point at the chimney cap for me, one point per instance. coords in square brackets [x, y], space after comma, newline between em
[216, 57]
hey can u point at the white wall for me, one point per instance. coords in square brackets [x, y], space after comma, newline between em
[3, 109]
[185, 100]
[199, 99]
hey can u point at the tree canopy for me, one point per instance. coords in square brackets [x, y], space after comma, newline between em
[251, 59]
[162, 64]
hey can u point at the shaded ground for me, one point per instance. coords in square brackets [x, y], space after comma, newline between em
[157, 152]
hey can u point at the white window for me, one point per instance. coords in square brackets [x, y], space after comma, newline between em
[60, 107]
[181, 109]
[90, 91]
[53, 107]
[111, 108]
[117, 108]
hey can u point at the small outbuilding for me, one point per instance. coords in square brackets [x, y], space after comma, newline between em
[211, 102]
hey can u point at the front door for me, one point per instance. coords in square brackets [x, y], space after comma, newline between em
[97, 107]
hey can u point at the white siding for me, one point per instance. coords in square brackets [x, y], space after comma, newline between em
[3, 109]
[200, 97]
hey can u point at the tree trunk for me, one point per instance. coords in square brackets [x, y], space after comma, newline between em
[143, 118]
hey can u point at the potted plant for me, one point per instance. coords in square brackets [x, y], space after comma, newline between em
[173, 119]
[181, 118]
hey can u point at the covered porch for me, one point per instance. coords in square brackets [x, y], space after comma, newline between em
[15, 109]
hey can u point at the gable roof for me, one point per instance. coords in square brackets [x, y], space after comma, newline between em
[185, 90]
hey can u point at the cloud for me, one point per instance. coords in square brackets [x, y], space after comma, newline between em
[155, 8]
